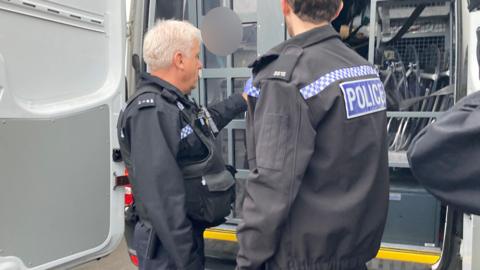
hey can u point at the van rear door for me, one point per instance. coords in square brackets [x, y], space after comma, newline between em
[62, 85]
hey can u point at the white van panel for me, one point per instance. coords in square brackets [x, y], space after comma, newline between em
[55, 63]
[61, 89]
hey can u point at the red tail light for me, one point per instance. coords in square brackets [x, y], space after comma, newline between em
[134, 259]
[128, 192]
[128, 195]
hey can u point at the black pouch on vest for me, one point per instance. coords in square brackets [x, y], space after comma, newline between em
[209, 198]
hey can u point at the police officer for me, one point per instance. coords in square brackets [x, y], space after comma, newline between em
[166, 142]
[317, 193]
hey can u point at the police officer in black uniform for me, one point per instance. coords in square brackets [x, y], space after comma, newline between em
[317, 194]
[167, 142]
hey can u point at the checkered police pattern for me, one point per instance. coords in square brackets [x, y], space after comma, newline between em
[250, 89]
[321, 84]
[187, 130]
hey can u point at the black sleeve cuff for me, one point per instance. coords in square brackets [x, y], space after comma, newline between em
[239, 103]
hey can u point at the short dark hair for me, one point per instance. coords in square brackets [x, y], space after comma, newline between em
[315, 11]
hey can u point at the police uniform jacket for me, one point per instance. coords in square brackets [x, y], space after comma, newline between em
[155, 141]
[445, 156]
[317, 193]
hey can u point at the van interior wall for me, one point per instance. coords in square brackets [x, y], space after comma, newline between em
[350, 21]
[168, 9]
[418, 71]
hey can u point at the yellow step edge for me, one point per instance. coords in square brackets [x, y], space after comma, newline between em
[406, 255]
[394, 254]
[219, 234]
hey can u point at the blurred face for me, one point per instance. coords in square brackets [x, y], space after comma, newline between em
[192, 67]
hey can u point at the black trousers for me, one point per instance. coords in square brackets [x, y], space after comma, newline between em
[161, 260]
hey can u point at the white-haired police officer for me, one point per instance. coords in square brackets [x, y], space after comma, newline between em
[317, 194]
[167, 143]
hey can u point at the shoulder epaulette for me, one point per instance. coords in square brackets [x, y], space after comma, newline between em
[262, 61]
[283, 67]
[145, 100]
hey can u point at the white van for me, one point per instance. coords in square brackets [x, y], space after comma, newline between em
[63, 83]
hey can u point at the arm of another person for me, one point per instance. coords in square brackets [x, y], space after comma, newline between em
[445, 155]
[224, 111]
[284, 141]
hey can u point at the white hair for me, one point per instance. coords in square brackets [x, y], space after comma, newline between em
[165, 39]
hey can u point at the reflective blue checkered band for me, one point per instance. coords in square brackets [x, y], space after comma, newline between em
[187, 130]
[321, 84]
[250, 89]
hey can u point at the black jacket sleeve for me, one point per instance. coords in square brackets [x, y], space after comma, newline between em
[224, 112]
[445, 156]
[284, 143]
[155, 135]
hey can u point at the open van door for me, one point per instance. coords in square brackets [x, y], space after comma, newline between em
[61, 88]
[471, 223]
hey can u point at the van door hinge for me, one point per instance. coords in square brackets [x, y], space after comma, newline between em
[129, 26]
[117, 155]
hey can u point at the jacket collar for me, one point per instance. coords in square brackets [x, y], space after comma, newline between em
[303, 40]
[149, 79]
[311, 37]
